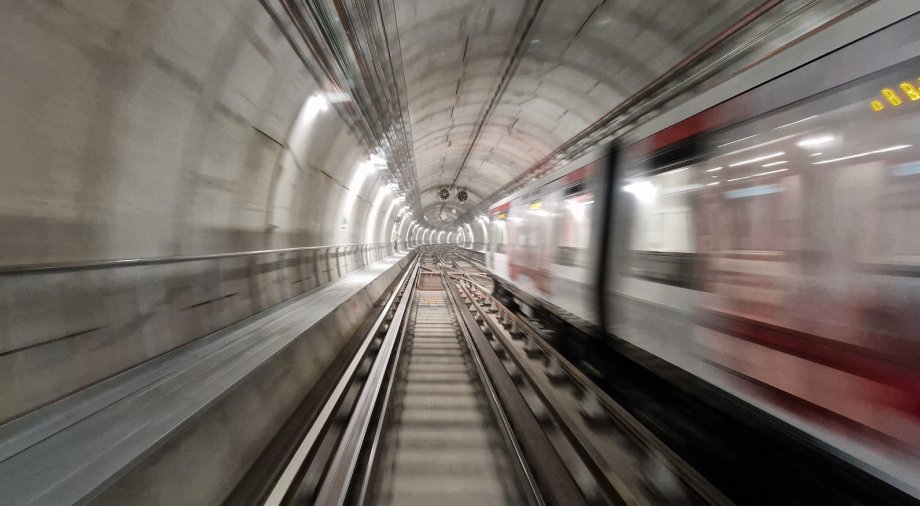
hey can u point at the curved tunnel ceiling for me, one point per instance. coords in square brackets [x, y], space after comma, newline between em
[493, 87]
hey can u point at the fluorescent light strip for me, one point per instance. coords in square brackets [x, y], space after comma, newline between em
[815, 141]
[713, 184]
[755, 175]
[755, 146]
[859, 155]
[714, 169]
[758, 159]
[816, 154]
[774, 163]
[737, 140]
[795, 122]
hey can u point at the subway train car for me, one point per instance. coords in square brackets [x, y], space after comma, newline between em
[767, 245]
[541, 240]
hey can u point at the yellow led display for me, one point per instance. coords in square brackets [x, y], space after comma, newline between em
[895, 97]
[909, 90]
[536, 205]
[891, 96]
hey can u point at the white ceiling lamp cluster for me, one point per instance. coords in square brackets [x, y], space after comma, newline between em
[378, 162]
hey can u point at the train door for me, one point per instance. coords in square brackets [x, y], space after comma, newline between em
[532, 229]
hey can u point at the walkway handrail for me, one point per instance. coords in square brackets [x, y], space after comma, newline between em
[26, 269]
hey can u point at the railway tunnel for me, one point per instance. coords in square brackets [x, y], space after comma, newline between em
[459, 252]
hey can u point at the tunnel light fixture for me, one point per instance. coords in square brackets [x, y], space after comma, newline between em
[815, 141]
[757, 159]
[771, 164]
[317, 103]
[714, 169]
[364, 169]
[378, 162]
[816, 154]
[860, 155]
[336, 97]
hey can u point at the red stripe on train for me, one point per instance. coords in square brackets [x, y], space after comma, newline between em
[501, 208]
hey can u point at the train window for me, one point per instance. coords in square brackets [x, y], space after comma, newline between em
[821, 177]
[794, 179]
[792, 228]
[498, 232]
[662, 211]
[576, 226]
[574, 189]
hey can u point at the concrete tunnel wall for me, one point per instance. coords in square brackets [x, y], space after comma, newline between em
[161, 129]
[149, 129]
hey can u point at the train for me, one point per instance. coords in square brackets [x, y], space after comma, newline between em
[768, 245]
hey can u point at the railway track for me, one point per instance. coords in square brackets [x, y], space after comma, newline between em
[443, 443]
[626, 459]
[453, 399]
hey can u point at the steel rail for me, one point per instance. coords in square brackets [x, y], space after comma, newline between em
[307, 447]
[336, 484]
[341, 485]
[614, 488]
[695, 482]
[372, 454]
[556, 483]
[533, 489]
